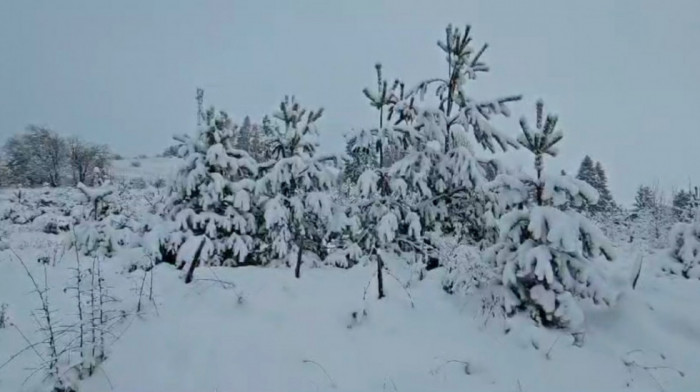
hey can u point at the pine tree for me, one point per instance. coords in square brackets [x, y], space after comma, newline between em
[453, 129]
[547, 251]
[682, 201]
[685, 203]
[268, 128]
[299, 212]
[653, 216]
[268, 134]
[684, 244]
[257, 145]
[429, 179]
[359, 161]
[212, 198]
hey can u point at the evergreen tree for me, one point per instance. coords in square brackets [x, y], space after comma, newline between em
[266, 136]
[358, 161]
[428, 179]
[682, 201]
[684, 241]
[211, 199]
[644, 199]
[685, 203]
[268, 129]
[594, 175]
[605, 204]
[653, 216]
[243, 136]
[257, 145]
[458, 124]
[547, 251]
[299, 212]
[587, 171]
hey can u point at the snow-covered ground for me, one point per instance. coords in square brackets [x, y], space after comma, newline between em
[148, 169]
[272, 332]
[260, 329]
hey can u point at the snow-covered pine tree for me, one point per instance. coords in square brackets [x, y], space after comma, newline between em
[446, 134]
[652, 217]
[435, 186]
[684, 244]
[359, 161]
[266, 134]
[269, 130]
[548, 252]
[458, 124]
[212, 198]
[681, 205]
[257, 145]
[295, 191]
[96, 231]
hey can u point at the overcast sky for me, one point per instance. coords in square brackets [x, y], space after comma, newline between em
[623, 75]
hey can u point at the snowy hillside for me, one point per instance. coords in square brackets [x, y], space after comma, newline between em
[252, 329]
[149, 169]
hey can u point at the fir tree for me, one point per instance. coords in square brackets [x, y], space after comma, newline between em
[211, 199]
[546, 251]
[605, 204]
[243, 136]
[594, 175]
[587, 172]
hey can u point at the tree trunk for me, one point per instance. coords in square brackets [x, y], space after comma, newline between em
[380, 278]
[194, 263]
[297, 269]
[540, 186]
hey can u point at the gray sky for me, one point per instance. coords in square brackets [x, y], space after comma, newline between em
[622, 75]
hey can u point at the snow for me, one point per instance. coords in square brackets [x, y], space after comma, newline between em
[387, 227]
[261, 329]
[685, 249]
[93, 194]
[544, 297]
[150, 169]
[273, 332]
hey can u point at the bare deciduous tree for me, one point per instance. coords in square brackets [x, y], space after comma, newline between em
[40, 156]
[84, 158]
[36, 156]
